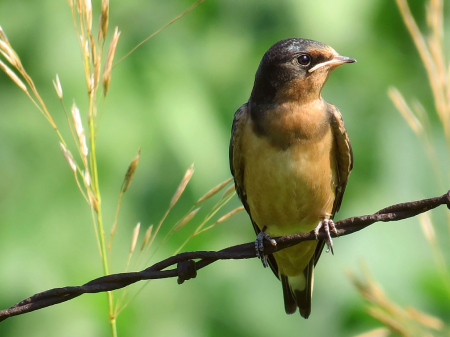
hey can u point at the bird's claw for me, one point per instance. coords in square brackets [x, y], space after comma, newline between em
[327, 224]
[259, 246]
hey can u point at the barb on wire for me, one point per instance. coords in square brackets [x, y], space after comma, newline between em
[187, 268]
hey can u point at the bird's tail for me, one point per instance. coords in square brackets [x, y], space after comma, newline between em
[297, 291]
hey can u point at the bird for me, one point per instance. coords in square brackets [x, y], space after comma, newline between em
[291, 157]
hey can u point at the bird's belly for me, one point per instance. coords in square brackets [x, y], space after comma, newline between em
[289, 191]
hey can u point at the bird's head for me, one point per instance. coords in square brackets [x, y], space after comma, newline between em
[295, 69]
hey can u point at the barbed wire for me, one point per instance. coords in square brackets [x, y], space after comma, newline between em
[187, 268]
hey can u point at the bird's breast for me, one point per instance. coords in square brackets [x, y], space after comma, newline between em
[289, 190]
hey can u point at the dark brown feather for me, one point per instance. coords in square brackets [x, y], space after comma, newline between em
[303, 298]
[290, 305]
[344, 164]
[344, 157]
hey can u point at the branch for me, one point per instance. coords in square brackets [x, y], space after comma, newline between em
[187, 268]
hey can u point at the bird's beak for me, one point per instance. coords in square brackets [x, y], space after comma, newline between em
[336, 61]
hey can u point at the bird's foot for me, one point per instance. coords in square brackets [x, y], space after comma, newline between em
[259, 246]
[327, 224]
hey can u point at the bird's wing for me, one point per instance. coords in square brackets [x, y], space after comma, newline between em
[237, 165]
[344, 160]
[237, 161]
[344, 156]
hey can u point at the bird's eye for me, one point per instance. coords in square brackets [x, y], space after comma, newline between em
[304, 59]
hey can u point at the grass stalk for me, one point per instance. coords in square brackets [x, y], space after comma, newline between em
[92, 52]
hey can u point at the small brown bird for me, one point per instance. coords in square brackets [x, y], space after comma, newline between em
[291, 157]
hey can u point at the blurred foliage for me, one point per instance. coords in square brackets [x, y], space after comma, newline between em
[175, 97]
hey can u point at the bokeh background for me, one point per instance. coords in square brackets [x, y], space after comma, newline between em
[175, 97]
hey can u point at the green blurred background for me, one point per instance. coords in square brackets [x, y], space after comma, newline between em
[175, 98]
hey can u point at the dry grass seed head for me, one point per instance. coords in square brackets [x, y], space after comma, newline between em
[229, 190]
[147, 236]
[86, 178]
[425, 319]
[371, 291]
[76, 118]
[428, 61]
[135, 237]
[93, 59]
[69, 158]
[79, 6]
[213, 191]
[87, 51]
[421, 114]
[13, 76]
[109, 61]
[8, 52]
[405, 111]
[186, 219]
[130, 172]
[91, 87]
[6, 56]
[221, 219]
[230, 214]
[11, 56]
[182, 186]
[3, 35]
[434, 15]
[97, 69]
[434, 11]
[93, 201]
[380, 332]
[393, 323]
[88, 14]
[83, 44]
[58, 88]
[104, 20]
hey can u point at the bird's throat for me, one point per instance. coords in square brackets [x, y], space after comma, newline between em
[289, 123]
